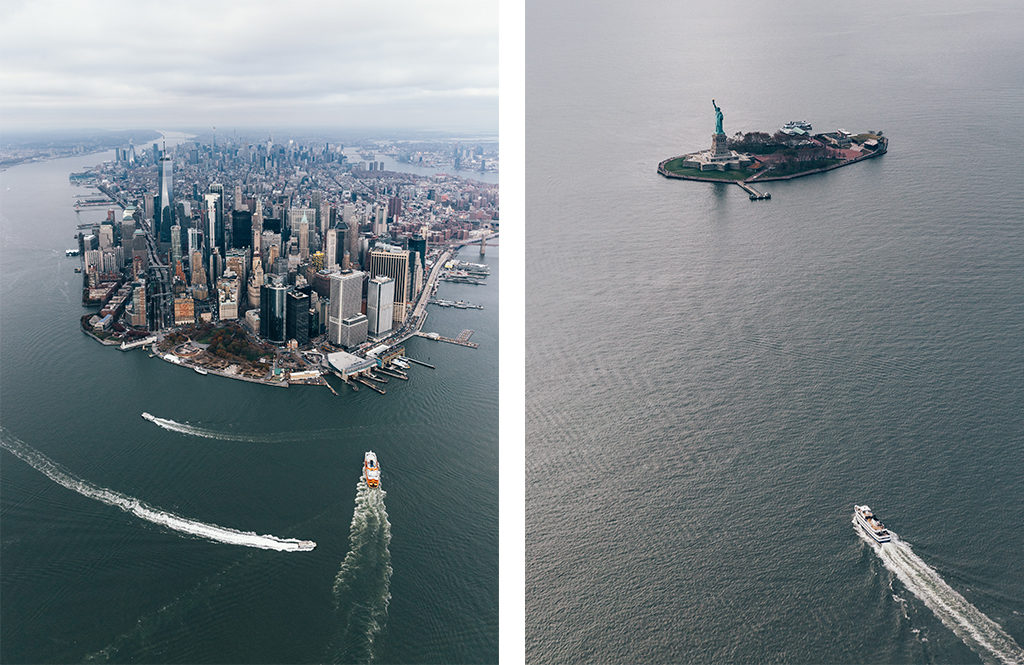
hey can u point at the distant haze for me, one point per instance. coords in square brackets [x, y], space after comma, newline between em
[116, 64]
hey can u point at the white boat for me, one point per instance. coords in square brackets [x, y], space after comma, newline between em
[399, 363]
[200, 370]
[871, 524]
[371, 469]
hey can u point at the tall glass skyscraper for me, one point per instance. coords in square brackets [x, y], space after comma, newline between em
[166, 206]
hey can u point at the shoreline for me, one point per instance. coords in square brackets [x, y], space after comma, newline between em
[420, 306]
[761, 176]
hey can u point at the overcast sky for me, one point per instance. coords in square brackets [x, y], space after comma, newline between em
[165, 65]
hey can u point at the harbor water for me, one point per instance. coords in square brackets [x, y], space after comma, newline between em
[178, 539]
[713, 383]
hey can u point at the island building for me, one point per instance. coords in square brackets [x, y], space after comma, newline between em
[393, 262]
[380, 305]
[719, 157]
[346, 302]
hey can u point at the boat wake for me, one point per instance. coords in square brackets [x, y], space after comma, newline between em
[207, 433]
[983, 635]
[140, 509]
[362, 586]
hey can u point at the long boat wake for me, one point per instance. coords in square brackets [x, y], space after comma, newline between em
[983, 635]
[220, 435]
[193, 430]
[362, 586]
[128, 504]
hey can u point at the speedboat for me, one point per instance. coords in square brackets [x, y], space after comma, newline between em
[874, 527]
[371, 470]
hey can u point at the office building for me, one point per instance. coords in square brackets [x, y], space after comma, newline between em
[241, 228]
[331, 249]
[297, 318]
[380, 305]
[273, 310]
[175, 245]
[346, 301]
[165, 206]
[393, 262]
[353, 331]
[227, 296]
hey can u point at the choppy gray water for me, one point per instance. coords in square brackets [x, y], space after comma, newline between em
[713, 383]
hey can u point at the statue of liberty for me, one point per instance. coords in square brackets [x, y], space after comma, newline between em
[718, 118]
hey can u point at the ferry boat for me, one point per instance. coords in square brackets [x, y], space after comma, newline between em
[200, 370]
[371, 470]
[397, 362]
[874, 527]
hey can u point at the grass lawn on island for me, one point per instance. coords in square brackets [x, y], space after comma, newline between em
[674, 166]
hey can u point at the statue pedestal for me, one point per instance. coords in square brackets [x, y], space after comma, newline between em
[719, 147]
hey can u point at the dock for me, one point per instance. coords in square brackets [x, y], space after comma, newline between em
[393, 373]
[359, 379]
[418, 362]
[461, 340]
[754, 194]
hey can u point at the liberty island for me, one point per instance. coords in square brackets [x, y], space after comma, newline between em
[791, 152]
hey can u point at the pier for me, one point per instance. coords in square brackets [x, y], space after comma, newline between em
[754, 194]
[393, 373]
[418, 362]
[359, 379]
[461, 340]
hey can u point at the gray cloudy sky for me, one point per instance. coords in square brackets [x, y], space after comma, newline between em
[123, 64]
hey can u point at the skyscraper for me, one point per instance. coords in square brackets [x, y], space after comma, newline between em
[380, 304]
[393, 262]
[297, 318]
[166, 206]
[222, 234]
[273, 311]
[304, 238]
[331, 249]
[346, 301]
[241, 228]
[175, 245]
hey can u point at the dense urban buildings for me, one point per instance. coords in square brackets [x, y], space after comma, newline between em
[299, 244]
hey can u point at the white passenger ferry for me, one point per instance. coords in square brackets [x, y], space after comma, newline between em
[874, 527]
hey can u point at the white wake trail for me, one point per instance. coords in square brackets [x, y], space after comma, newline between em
[983, 635]
[192, 430]
[128, 504]
[362, 586]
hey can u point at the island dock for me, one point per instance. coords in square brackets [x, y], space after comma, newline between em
[754, 194]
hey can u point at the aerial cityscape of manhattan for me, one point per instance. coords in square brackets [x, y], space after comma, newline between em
[775, 332]
[249, 333]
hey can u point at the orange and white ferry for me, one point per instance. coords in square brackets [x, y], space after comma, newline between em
[371, 470]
